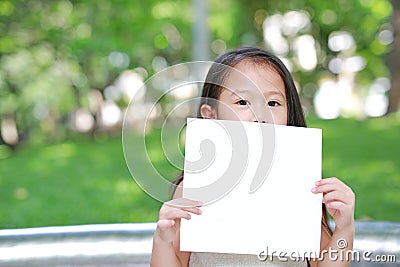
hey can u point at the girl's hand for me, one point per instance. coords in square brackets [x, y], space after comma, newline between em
[171, 214]
[339, 200]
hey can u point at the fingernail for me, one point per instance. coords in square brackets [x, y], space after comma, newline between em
[314, 190]
[199, 203]
[318, 182]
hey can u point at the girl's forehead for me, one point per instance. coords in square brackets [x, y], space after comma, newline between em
[258, 65]
[248, 76]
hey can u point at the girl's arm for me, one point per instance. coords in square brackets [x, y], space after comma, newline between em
[166, 236]
[339, 200]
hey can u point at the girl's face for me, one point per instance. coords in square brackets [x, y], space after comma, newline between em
[258, 94]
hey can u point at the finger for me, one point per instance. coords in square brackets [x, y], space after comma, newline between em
[325, 188]
[345, 195]
[342, 214]
[322, 189]
[184, 203]
[330, 184]
[341, 195]
[330, 180]
[333, 196]
[337, 205]
[167, 208]
[174, 213]
[193, 210]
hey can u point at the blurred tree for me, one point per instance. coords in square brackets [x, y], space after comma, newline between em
[58, 57]
[394, 60]
[363, 23]
[52, 54]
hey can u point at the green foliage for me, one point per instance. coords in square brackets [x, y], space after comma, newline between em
[53, 52]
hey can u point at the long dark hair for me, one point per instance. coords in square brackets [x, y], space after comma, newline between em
[218, 73]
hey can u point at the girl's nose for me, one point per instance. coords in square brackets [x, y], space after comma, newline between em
[261, 113]
[263, 117]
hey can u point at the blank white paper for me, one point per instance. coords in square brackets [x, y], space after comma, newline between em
[281, 215]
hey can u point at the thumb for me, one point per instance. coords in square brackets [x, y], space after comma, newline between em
[166, 230]
[165, 224]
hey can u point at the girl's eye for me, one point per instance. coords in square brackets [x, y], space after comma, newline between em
[273, 103]
[242, 102]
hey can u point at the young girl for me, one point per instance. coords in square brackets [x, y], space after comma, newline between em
[274, 81]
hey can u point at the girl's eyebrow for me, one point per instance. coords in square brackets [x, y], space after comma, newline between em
[239, 92]
[275, 92]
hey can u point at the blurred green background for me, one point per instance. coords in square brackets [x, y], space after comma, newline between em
[68, 70]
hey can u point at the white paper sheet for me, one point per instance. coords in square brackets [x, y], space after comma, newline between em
[280, 215]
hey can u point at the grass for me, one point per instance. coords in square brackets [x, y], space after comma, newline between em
[71, 183]
[84, 182]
